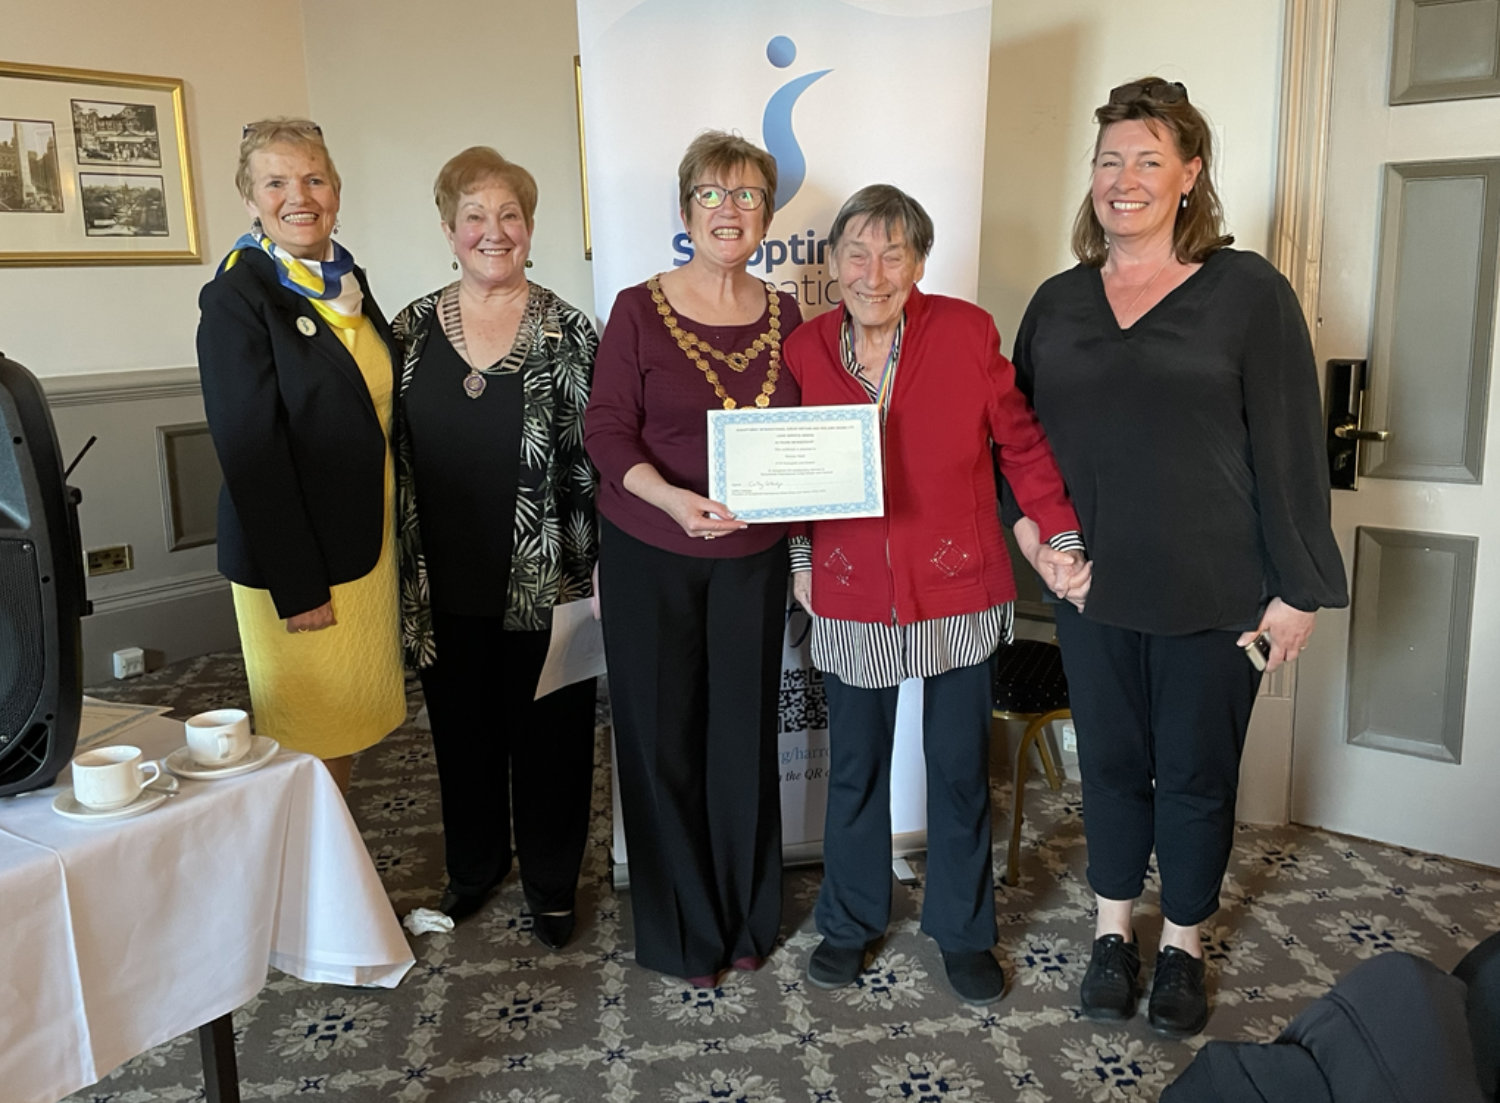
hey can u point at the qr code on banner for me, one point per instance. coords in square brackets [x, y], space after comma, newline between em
[803, 705]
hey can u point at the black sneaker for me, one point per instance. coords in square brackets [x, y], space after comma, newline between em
[1179, 1003]
[1112, 984]
[833, 966]
[976, 976]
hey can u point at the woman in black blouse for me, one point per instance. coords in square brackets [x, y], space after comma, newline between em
[496, 503]
[1176, 383]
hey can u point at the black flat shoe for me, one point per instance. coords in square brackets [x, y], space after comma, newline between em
[458, 906]
[1112, 983]
[833, 966]
[975, 975]
[1179, 1001]
[553, 931]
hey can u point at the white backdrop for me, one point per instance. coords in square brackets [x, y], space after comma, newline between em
[843, 93]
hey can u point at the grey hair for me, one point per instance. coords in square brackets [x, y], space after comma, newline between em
[890, 206]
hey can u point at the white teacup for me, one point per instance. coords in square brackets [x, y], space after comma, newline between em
[111, 777]
[219, 738]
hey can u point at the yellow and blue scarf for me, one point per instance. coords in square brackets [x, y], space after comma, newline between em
[330, 280]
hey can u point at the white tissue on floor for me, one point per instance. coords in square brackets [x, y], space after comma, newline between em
[427, 921]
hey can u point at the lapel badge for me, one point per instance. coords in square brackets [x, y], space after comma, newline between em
[306, 326]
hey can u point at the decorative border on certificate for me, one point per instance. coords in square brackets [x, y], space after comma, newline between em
[94, 169]
[786, 476]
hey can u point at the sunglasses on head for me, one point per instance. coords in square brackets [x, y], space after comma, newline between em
[309, 128]
[1153, 91]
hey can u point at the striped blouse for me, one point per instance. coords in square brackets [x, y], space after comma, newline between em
[877, 656]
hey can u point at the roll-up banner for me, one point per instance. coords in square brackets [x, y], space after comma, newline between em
[843, 93]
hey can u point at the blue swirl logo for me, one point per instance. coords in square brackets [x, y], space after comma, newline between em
[776, 124]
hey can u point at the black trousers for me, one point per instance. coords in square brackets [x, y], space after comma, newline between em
[1161, 724]
[958, 901]
[504, 758]
[694, 648]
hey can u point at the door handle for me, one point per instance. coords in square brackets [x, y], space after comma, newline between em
[1349, 432]
[1346, 403]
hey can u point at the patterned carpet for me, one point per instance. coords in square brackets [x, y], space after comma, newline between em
[489, 1016]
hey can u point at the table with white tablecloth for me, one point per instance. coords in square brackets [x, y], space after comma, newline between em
[119, 935]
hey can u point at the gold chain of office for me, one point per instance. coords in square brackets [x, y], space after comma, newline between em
[694, 347]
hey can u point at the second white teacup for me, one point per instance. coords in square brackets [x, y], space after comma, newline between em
[111, 777]
[218, 738]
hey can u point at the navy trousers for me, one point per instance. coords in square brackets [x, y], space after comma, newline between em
[958, 907]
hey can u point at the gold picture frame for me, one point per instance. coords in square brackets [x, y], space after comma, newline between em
[94, 169]
[583, 161]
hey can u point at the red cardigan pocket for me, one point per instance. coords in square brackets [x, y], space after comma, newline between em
[952, 559]
[837, 564]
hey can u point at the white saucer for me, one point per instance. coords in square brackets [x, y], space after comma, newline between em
[262, 749]
[66, 804]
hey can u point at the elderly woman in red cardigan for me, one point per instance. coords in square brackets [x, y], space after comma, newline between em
[923, 592]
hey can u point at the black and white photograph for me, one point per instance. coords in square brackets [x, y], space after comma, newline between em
[116, 133]
[29, 177]
[117, 205]
[106, 155]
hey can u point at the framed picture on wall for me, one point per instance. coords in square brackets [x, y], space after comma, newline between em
[94, 169]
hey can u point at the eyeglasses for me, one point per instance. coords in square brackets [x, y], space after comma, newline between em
[710, 196]
[1161, 92]
[307, 128]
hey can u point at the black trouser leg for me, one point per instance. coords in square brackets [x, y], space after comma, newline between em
[1161, 723]
[695, 730]
[552, 782]
[746, 618]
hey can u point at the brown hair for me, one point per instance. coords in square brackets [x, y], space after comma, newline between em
[1199, 229]
[283, 131]
[474, 168]
[714, 152]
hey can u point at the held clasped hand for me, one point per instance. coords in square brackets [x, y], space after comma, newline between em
[1288, 628]
[1066, 573]
[314, 620]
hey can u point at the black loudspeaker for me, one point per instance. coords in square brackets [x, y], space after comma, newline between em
[42, 592]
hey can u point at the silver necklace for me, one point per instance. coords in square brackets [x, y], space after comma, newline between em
[1129, 310]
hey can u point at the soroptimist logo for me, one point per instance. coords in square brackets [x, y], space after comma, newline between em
[776, 123]
[808, 251]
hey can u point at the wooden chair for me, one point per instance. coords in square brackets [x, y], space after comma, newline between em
[1029, 684]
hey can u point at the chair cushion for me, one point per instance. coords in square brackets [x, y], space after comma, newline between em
[1029, 678]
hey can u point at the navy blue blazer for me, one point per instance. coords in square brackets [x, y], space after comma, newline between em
[295, 429]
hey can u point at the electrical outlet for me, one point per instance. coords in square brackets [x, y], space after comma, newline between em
[110, 560]
[129, 662]
[1069, 737]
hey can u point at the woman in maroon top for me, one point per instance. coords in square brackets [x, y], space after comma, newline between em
[693, 599]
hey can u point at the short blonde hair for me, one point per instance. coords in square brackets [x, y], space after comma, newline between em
[472, 169]
[715, 151]
[284, 131]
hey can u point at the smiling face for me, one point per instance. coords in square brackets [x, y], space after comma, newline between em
[876, 272]
[727, 236]
[1139, 181]
[293, 194]
[490, 237]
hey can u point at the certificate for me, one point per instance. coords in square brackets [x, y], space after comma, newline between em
[803, 463]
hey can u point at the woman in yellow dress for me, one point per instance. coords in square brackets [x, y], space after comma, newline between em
[295, 361]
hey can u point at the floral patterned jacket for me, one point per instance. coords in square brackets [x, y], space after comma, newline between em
[556, 533]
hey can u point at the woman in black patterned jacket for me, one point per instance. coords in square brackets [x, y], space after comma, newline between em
[496, 507]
